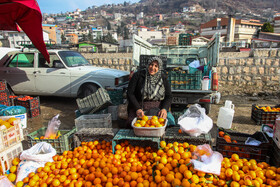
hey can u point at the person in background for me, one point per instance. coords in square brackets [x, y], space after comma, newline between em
[147, 90]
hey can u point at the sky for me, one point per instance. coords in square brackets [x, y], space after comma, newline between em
[58, 6]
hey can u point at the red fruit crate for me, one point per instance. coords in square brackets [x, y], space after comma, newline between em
[4, 98]
[262, 117]
[28, 102]
[3, 85]
[31, 113]
[12, 99]
[4, 95]
[237, 145]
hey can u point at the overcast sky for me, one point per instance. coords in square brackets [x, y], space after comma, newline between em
[58, 6]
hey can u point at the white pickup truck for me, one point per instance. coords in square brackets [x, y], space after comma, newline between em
[181, 64]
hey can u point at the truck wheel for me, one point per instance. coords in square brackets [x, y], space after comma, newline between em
[207, 108]
[86, 90]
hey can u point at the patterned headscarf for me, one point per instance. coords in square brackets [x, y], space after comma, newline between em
[154, 89]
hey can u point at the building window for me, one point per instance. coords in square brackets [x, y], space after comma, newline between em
[224, 27]
[214, 28]
[153, 37]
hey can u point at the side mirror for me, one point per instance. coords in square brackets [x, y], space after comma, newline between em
[57, 64]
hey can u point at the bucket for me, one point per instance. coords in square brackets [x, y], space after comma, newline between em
[205, 83]
[225, 116]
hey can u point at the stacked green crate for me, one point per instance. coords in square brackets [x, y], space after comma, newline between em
[182, 80]
[185, 39]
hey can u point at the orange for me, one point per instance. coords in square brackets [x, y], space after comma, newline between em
[195, 179]
[55, 182]
[163, 144]
[19, 184]
[12, 177]
[145, 118]
[16, 161]
[169, 177]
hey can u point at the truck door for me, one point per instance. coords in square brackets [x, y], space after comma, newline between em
[213, 50]
[140, 47]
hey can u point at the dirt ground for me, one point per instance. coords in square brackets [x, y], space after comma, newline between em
[65, 107]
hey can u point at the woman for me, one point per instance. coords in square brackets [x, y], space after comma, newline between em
[149, 89]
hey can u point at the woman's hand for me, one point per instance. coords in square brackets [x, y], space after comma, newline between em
[162, 114]
[139, 113]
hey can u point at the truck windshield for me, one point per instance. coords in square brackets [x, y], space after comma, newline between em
[72, 58]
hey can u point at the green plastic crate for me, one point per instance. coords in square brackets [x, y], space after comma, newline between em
[64, 143]
[128, 134]
[182, 80]
[172, 135]
[116, 96]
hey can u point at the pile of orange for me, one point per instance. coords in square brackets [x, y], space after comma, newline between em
[269, 109]
[154, 121]
[94, 164]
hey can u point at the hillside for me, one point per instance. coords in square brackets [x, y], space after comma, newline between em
[231, 6]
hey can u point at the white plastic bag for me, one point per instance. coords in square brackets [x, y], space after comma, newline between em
[33, 158]
[195, 121]
[53, 127]
[5, 182]
[207, 160]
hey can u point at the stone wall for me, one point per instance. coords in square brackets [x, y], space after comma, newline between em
[250, 73]
[239, 73]
[121, 61]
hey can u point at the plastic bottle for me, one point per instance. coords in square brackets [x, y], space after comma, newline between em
[214, 79]
[225, 116]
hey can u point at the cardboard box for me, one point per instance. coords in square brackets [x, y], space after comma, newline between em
[23, 119]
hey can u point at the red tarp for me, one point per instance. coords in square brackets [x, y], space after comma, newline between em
[27, 15]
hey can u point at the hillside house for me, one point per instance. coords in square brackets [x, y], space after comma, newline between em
[54, 33]
[231, 29]
[150, 35]
[277, 24]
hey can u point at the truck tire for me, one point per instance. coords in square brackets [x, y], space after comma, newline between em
[86, 90]
[207, 107]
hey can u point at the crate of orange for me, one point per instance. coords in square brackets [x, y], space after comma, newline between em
[175, 134]
[127, 136]
[61, 143]
[230, 142]
[7, 157]
[149, 126]
[264, 114]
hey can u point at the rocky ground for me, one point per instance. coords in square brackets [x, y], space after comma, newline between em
[65, 107]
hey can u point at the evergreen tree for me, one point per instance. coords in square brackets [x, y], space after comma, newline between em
[267, 27]
[90, 37]
[63, 38]
[125, 33]
[84, 37]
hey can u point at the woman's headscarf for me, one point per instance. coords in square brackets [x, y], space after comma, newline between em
[154, 89]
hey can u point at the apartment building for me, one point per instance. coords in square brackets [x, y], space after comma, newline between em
[277, 24]
[72, 38]
[150, 35]
[231, 29]
[53, 32]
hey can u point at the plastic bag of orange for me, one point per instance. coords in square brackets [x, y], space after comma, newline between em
[195, 121]
[206, 160]
[53, 127]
